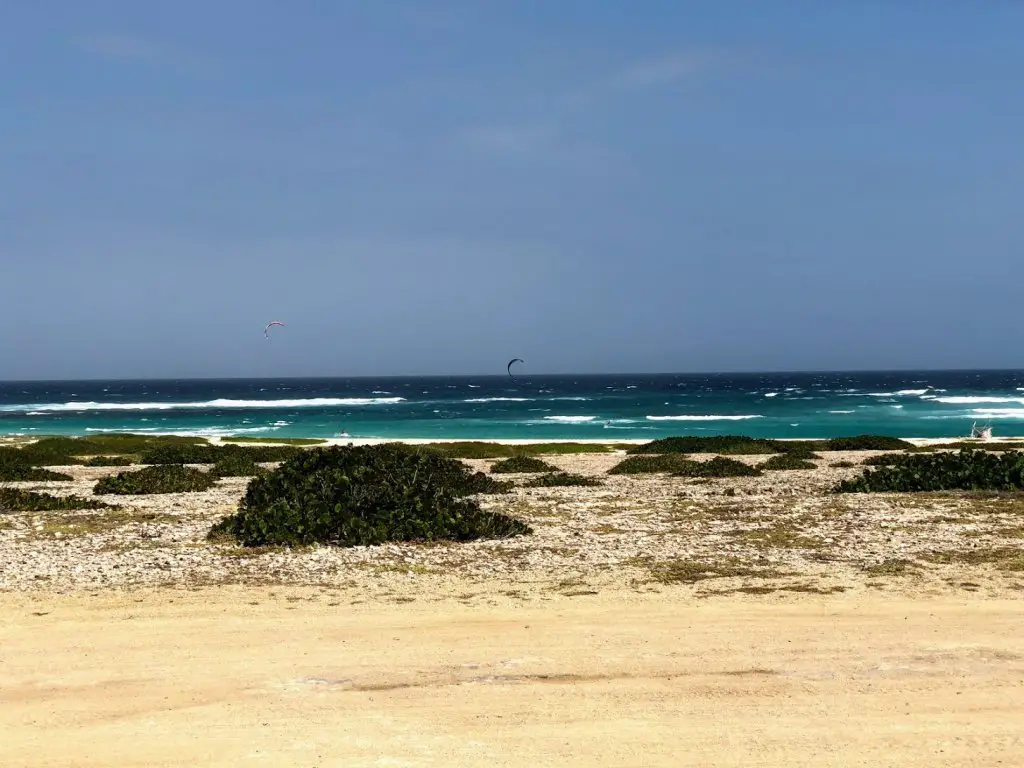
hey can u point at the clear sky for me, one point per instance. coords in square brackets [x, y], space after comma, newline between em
[438, 186]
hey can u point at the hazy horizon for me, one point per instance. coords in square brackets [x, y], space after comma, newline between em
[433, 189]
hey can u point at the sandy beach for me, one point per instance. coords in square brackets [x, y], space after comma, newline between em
[649, 621]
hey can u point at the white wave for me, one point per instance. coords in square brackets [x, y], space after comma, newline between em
[200, 432]
[570, 419]
[897, 407]
[771, 394]
[711, 417]
[313, 402]
[574, 399]
[380, 392]
[997, 413]
[498, 400]
[842, 411]
[276, 423]
[972, 400]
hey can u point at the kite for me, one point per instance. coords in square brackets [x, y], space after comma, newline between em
[514, 360]
[266, 331]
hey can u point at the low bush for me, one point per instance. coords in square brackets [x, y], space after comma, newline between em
[484, 450]
[722, 444]
[786, 461]
[717, 467]
[650, 464]
[14, 500]
[108, 461]
[842, 464]
[679, 465]
[966, 470]
[211, 454]
[353, 496]
[563, 480]
[885, 459]
[236, 466]
[521, 464]
[13, 471]
[170, 478]
[867, 443]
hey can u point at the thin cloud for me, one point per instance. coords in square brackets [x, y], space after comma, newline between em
[135, 48]
[664, 70]
[509, 138]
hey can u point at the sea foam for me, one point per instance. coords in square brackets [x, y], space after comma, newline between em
[710, 417]
[313, 402]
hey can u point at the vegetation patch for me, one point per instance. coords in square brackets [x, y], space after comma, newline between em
[280, 440]
[358, 496]
[723, 444]
[236, 465]
[522, 464]
[693, 571]
[892, 567]
[1003, 558]
[966, 470]
[66, 451]
[842, 465]
[785, 461]
[717, 467]
[563, 480]
[780, 536]
[211, 454]
[83, 525]
[483, 450]
[108, 461]
[159, 479]
[14, 500]
[14, 471]
[867, 443]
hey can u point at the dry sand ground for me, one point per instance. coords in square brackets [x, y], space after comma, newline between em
[862, 630]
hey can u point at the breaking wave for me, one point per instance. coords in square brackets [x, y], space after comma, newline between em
[313, 402]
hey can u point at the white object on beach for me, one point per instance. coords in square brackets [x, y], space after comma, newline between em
[983, 433]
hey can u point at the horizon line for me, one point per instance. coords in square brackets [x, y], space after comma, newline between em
[808, 371]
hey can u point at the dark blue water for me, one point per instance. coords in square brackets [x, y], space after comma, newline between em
[909, 404]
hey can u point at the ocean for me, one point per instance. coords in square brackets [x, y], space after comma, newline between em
[620, 407]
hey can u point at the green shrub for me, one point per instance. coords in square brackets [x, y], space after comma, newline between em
[679, 465]
[211, 454]
[65, 451]
[32, 456]
[722, 444]
[357, 496]
[108, 461]
[964, 471]
[562, 480]
[867, 443]
[521, 464]
[16, 471]
[842, 464]
[885, 459]
[14, 500]
[484, 450]
[639, 465]
[180, 454]
[786, 461]
[234, 465]
[170, 478]
[717, 467]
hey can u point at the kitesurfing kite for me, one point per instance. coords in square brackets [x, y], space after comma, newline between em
[509, 367]
[266, 331]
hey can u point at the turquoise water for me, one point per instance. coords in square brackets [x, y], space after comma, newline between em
[909, 404]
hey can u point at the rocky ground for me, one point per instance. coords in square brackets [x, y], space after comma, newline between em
[783, 531]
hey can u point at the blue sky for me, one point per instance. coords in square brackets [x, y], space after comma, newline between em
[436, 187]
